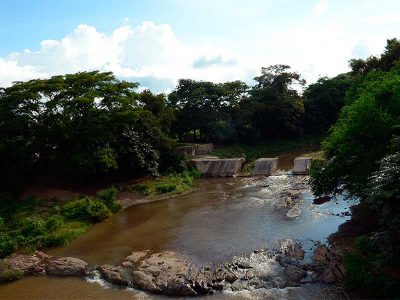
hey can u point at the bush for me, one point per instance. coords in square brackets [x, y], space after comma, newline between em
[7, 244]
[9, 275]
[109, 198]
[86, 209]
[163, 188]
[54, 222]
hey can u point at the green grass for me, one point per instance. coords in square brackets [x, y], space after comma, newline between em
[173, 184]
[256, 151]
[25, 226]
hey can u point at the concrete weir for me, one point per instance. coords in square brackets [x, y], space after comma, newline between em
[218, 167]
[265, 166]
[301, 165]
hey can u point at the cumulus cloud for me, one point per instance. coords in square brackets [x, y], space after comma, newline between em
[149, 53]
[154, 56]
[321, 7]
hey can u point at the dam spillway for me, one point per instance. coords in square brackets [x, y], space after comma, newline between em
[218, 167]
[265, 166]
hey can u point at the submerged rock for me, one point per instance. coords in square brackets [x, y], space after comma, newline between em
[293, 213]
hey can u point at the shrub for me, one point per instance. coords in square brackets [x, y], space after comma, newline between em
[109, 198]
[9, 275]
[54, 222]
[86, 209]
[7, 244]
[163, 188]
[32, 226]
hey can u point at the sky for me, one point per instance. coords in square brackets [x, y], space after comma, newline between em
[157, 42]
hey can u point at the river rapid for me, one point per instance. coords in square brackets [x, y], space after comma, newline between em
[223, 218]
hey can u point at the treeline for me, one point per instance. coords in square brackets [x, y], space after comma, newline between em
[90, 124]
[362, 158]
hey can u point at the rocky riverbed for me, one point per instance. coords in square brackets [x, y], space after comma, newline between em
[170, 273]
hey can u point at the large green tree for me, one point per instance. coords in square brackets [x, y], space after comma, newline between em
[204, 109]
[323, 101]
[82, 124]
[274, 108]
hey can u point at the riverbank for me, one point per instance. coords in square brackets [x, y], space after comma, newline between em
[238, 216]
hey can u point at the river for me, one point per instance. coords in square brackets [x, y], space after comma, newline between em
[223, 218]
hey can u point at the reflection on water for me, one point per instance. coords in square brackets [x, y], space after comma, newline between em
[226, 216]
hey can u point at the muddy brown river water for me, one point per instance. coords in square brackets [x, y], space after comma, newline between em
[223, 218]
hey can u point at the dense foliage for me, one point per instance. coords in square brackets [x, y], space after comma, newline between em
[362, 157]
[81, 125]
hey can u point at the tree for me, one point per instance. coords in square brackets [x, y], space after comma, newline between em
[204, 109]
[385, 62]
[323, 101]
[85, 124]
[275, 105]
[362, 135]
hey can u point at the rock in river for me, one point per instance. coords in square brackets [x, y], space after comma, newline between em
[293, 213]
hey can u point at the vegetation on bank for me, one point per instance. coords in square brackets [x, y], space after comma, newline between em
[172, 184]
[26, 226]
[362, 157]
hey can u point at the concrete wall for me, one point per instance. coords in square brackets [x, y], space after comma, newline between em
[301, 166]
[186, 151]
[218, 167]
[204, 149]
[265, 166]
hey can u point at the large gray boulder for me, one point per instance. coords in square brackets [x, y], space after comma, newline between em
[218, 167]
[301, 165]
[265, 166]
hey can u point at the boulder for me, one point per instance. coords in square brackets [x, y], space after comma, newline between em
[28, 264]
[293, 213]
[218, 167]
[66, 266]
[322, 199]
[115, 275]
[295, 273]
[169, 274]
[265, 166]
[301, 165]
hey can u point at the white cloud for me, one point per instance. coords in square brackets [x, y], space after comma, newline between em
[154, 56]
[146, 53]
[321, 7]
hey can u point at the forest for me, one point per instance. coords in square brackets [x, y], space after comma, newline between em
[91, 125]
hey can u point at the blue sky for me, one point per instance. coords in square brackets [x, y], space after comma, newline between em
[156, 42]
